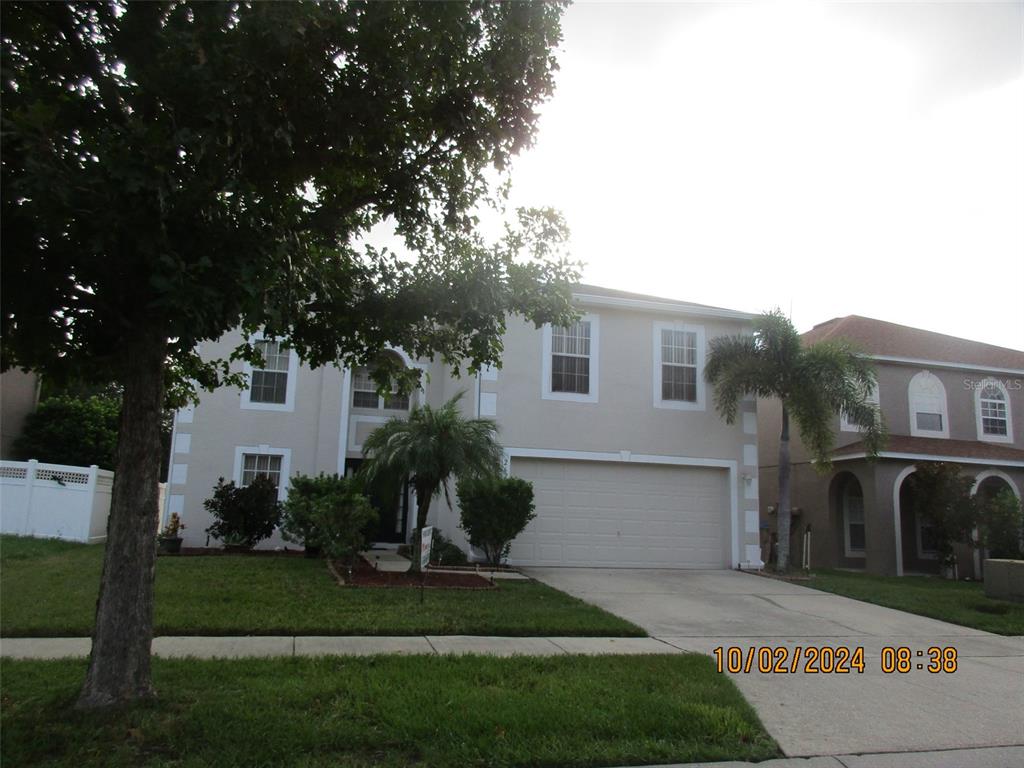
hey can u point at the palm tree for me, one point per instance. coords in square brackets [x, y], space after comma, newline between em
[814, 384]
[429, 447]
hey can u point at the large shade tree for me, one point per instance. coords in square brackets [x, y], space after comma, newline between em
[813, 383]
[430, 447]
[175, 170]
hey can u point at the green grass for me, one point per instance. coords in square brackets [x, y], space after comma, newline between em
[389, 711]
[49, 589]
[957, 602]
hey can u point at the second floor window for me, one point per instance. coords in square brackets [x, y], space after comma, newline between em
[269, 384]
[364, 394]
[570, 358]
[993, 411]
[678, 365]
[927, 400]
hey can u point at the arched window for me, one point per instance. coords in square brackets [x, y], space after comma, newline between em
[992, 409]
[927, 400]
[364, 393]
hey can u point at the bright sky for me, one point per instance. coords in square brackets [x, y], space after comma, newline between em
[829, 159]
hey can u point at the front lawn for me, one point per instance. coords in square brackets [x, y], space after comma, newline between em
[389, 711]
[49, 589]
[957, 602]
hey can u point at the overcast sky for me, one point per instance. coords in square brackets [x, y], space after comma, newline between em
[830, 159]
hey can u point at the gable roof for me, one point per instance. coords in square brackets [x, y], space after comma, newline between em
[878, 337]
[596, 294]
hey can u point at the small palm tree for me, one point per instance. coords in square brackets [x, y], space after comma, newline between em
[429, 447]
[814, 384]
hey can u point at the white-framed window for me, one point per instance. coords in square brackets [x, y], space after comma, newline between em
[252, 461]
[271, 386]
[992, 409]
[927, 400]
[364, 394]
[571, 361]
[844, 423]
[851, 500]
[679, 351]
[266, 465]
[927, 542]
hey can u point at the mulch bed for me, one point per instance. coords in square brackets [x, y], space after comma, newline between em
[214, 551]
[365, 575]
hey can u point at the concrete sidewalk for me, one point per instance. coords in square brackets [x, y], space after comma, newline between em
[985, 757]
[257, 646]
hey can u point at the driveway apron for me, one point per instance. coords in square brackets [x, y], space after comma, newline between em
[981, 704]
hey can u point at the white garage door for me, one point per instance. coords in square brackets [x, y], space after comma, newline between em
[602, 514]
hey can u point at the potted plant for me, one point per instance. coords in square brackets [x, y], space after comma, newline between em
[169, 539]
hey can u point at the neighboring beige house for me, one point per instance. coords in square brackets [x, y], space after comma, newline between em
[19, 394]
[611, 420]
[943, 399]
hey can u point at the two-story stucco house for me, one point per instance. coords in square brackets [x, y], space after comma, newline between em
[611, 420]
[943, 399]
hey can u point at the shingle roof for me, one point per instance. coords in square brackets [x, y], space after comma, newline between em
[933, 446]
[878, 337]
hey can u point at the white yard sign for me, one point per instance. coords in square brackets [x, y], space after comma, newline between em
[426, 537]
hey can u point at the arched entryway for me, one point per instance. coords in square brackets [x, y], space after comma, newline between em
[918, 546]
[987, 485]
[846, 497]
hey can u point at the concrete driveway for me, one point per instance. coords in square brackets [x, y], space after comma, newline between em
[979, 705]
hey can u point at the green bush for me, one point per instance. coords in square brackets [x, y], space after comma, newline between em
[494, 511]
[329, 513]
[244, 516]
[1001, 526]
[444, 552]
[72, 430]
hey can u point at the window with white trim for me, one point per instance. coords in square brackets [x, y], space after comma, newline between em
[852, 503]
[846, 425]
[261, 465]
[927, 400]
[678, 366]
[364, 394]
[570, 358]
[269, 384]
[992, 407]
[570, 361]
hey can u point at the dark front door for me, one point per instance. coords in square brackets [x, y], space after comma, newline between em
[393, 513]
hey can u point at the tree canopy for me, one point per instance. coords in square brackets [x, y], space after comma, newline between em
[172, 170]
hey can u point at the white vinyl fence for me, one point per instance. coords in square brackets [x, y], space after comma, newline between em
[55, 500]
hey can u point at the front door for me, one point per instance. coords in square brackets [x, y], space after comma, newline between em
[393, 515]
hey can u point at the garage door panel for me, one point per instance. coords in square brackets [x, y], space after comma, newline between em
[624, 515]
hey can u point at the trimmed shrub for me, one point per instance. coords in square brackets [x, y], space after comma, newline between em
[444, 552]
[494, 511]
[328, 513]
[72, 430]
[244, 516]
[1001, 526]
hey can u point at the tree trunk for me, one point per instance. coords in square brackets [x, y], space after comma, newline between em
[785, 519]
[423, 497]
[119, 666]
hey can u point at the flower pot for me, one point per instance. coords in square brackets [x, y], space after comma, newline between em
[168, 546]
